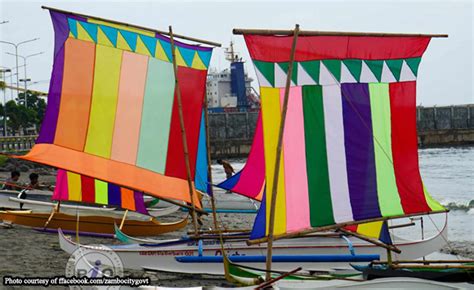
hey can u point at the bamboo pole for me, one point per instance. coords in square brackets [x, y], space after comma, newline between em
[239, 31]
[223, 231]
[134, 26]
[373, 241]
[278, 156]
[465, 267]
[337, 226]
[401, 226]
[209, 169]
[425, 261]
[183, 132]
[271, 281]
[123, 219]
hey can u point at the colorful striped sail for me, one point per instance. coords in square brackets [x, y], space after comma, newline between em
[79, 188]
[112, 111]
[350, 142]
[250, 181]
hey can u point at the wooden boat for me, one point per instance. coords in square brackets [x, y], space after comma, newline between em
[459, 272]
[384, 283]
[90, 224]
[313, 253]
[70, 208]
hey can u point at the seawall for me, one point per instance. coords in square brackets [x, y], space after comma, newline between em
[232, 132]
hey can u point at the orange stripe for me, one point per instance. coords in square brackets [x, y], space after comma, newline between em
[128, 200]
[111, 171]
[129, 107]
[76, 94]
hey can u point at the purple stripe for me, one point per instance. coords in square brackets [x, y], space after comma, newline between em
[182, 44]
[50, 120]
[61, 30]
[115, 195]
[360, 151]
[139, 202]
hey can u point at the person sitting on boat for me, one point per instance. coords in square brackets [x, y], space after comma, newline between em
[228, 169]
[12, 182]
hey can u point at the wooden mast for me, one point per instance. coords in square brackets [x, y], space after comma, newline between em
[134, 26]
[330, 33]
[209, 169]
[337, 226]
[183, 133]
[278, 155]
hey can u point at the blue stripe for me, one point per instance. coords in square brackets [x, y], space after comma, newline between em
[281, 258]
[360, 157]
[201, 178]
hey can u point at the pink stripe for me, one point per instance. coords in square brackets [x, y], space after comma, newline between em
[252, 177]
[296, 184]
[61, 191]
[129, 107]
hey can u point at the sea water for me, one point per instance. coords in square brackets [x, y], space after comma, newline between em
[448, 175]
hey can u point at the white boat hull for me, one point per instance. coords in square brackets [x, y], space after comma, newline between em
[163, 258]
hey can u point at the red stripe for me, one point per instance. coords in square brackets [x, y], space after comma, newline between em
[192, 85]
[405, 147]
[88, 189]
[278, 48]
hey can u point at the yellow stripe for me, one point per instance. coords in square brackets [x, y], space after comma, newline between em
[122, 43]
[102, 38]
[432, 203]
[370, 229]
[271, 115]
[179, 58]
[160, 52]
[141, 48]
[104, 101]
[74, 186]
[197, 62]
[82, 33]
[123, 27]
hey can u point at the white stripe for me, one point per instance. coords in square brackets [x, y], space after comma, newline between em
[366, 75]
[303, 77]
[346, 76]
[336, 153]
[387, 75]
[325, 76]
[262, 81]
[280, 77]
[406, 73]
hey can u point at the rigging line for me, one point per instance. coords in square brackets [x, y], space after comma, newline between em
[369, 129]
[448, 243]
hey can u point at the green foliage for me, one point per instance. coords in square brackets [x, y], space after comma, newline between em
[21, 117]
[3, 160]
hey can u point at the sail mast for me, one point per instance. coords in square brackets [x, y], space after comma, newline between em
[209, 170]
[183, 133]
[134, 26]
[278, 155]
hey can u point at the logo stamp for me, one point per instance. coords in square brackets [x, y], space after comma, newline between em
[90, 263]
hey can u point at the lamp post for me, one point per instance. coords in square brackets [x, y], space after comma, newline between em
[3, 71]
[24, 64]
[16, 53]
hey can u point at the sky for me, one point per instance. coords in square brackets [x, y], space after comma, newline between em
[445, 75]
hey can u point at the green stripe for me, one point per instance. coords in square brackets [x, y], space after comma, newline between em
[101, 192]
[389, 198]
[321, 213]
[156, 116]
